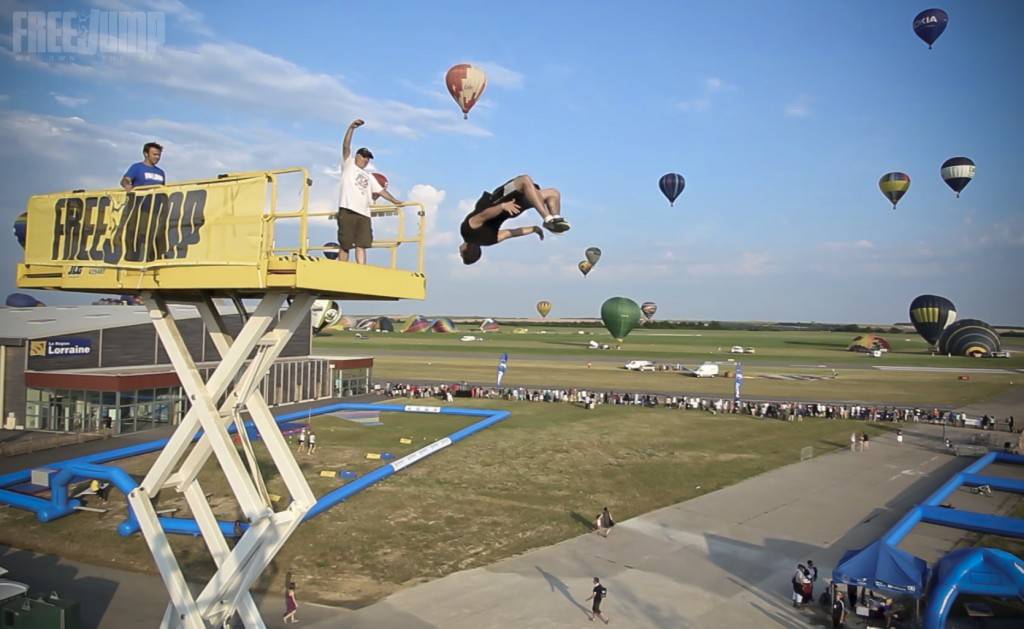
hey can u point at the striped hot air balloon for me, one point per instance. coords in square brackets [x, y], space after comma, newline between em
[416, 323]
[894, 186]
[21, 228]
[969, 337]
[931, 314]
[672, 186]
[544, 307]
[648, 308]
[466, 84]
[957, 172]
[443, 325]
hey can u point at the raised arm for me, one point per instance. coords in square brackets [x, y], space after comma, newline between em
[126, 183]
[346, 145]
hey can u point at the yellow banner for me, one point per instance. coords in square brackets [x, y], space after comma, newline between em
[206, 222]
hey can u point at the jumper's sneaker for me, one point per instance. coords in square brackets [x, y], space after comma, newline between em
[557, 224]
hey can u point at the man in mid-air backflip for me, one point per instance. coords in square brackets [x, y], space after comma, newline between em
[482, 227]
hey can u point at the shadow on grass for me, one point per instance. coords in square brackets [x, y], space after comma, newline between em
[582, 520]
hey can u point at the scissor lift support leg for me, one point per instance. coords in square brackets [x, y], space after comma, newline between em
[180, 462]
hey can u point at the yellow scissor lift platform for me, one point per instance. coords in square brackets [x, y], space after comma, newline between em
[225, 236]
[190, 242]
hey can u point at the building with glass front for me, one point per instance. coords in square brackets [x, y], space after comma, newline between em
[102, 368]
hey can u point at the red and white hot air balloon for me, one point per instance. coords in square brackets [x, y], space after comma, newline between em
[466, 84]
[382, 180]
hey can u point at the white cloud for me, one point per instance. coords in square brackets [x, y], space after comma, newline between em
[500, 76]
[186, 16]
[713, 86]
[799, 108]
[69, 101]
[243, 78]
[432, 198]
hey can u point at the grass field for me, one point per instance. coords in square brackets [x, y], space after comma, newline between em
[536, 479]
[559, 357]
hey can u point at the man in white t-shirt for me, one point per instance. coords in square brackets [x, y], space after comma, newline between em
[357, 190]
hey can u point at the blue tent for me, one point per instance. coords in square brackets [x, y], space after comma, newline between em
[880, 566]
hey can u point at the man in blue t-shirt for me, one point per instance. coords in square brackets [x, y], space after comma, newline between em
[145, 173]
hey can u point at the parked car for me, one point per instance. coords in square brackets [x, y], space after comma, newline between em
[640, 365]
[736, 349]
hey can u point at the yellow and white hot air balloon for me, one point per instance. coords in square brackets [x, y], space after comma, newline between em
[466, 84]
[544, 307]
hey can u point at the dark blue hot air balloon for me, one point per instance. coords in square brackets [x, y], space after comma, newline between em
[21, 300]
[331, 253]
[21, 228]
[929, 24]
[672, 186]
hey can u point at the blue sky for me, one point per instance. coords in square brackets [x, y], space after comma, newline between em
[782, 117]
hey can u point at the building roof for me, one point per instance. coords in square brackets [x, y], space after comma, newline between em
[19, 324]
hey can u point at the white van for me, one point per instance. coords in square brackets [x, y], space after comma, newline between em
[707, 370]
[640, 365]
[736, 349]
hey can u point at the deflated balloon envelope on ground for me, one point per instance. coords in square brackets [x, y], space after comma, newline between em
[443, 325]
[490, 325]
[957, 172]
[672, 186]
[931, 314]
[620, 315]
[929, 24]
[869, 343]
[894, 186]
[21, 300]
[466, 84]
[416, 323]
[544, 307]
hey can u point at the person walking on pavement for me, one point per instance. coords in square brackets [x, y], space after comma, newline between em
[598, 595]
[290, 605]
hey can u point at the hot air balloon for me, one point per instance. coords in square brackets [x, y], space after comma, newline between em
[929, 24]
[620, 315]
[21, 228]
[466, 84]
[930, 315]
[868, 343]
[383, 181]
[490, 325]
[957, 172]
[969, 337]
[544, 307]
[325, 313]
[648, 308]
[672, 186]
[593, 254]
[331, 251]
[894, 186]
[21, 300]
[585, 267]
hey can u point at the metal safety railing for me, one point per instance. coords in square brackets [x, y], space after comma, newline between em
[401, 212]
